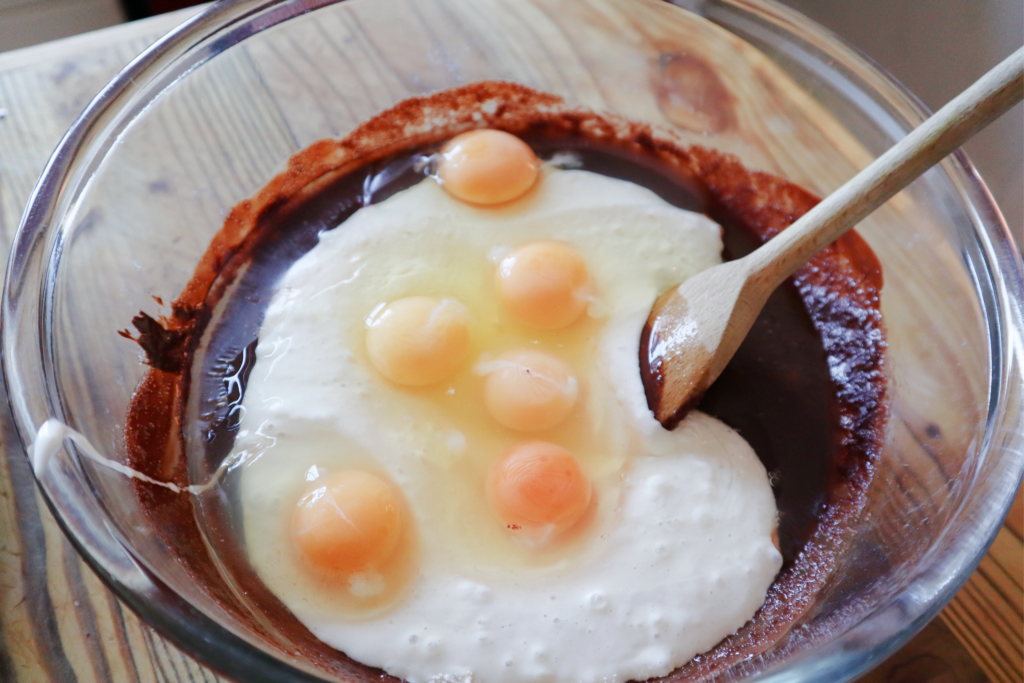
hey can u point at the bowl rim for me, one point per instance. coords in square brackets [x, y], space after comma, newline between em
[216, 646]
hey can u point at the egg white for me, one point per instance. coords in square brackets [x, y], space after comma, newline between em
[678, 554]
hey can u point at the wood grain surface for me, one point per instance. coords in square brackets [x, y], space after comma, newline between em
[57, 620]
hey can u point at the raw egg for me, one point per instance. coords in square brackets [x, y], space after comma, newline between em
[487, 167]
[350, 522]
[418, 340]
[537, 485]
[528, 390]
[607, 509]
[545, 285]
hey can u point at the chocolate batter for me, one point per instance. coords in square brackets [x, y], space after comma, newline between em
[806, 389]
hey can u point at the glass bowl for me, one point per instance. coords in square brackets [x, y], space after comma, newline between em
[201, 120]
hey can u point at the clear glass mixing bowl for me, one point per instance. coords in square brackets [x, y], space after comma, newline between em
[206, 116]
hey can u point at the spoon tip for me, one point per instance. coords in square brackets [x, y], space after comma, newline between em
[669, 404]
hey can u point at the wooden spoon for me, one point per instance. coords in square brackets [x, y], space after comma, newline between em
[694, 329]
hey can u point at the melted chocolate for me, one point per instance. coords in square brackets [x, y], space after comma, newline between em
[818, 430]
[786, 411]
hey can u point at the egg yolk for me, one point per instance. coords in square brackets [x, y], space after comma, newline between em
[528, 390]
[418, 340]
[487, 167]
[537, 485]
[350, 522]
[545, 285]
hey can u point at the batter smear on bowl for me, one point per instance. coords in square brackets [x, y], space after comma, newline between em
[805, 394]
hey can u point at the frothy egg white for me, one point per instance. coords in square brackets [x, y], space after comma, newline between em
[674, 552]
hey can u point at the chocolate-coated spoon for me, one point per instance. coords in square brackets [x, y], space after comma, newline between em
[694, 329]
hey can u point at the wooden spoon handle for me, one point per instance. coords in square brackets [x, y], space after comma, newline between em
[925, 146]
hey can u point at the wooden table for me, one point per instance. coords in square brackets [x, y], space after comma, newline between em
[58, 622]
